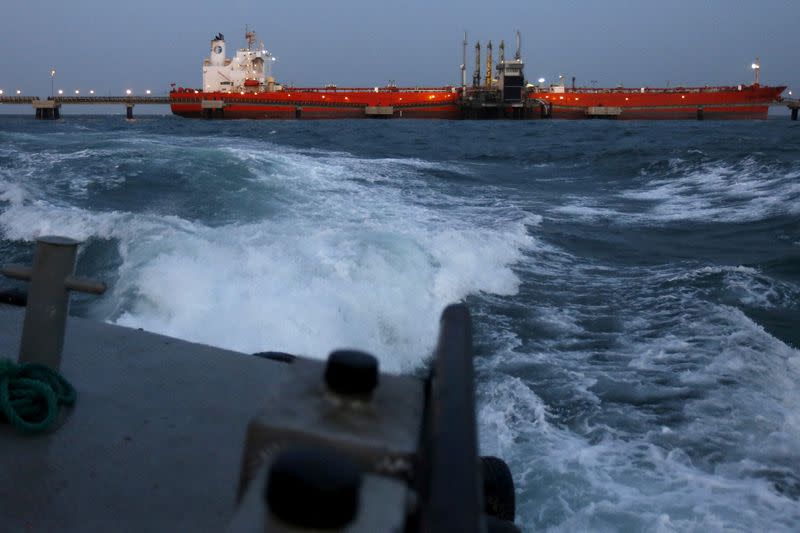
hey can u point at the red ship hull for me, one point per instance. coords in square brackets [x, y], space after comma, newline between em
[741, 102]
[439, 103]
[736, 103]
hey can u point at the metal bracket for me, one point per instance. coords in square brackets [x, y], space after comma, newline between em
[51, 279]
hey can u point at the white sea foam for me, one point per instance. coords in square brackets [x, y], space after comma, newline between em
[723, 460]
[747, 285]
[343, 265]
[711, 191]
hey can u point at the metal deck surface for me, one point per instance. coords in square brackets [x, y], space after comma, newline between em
[153, 443]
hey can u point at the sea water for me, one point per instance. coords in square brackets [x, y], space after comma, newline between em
[635, 286]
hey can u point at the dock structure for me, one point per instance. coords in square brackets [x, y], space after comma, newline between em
[50, 108]
[793, 104]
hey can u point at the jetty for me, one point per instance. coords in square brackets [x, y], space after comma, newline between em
[50, 108]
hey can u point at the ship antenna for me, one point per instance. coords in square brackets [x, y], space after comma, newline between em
[518, 55]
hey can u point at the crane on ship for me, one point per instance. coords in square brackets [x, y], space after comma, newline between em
[476, 76]
[489, 64]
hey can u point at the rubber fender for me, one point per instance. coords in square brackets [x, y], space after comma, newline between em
[498, 489]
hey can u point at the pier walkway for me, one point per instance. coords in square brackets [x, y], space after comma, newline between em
[50, 108]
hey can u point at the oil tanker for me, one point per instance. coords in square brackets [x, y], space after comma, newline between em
[243, 87]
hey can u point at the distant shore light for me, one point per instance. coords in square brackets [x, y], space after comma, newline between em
[61, 91]
[128, 92]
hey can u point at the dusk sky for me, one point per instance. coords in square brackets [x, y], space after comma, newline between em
[109, 46]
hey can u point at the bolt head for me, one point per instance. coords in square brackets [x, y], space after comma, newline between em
[350, 372]
[313, 488]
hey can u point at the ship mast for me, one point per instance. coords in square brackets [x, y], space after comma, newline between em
[250, 38]
[502, 58]
[518, 55]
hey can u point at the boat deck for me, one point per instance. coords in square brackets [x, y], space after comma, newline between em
[154, 442]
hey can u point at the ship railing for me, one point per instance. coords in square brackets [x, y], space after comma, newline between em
[324, 90]
[446, 89]
[640, 90]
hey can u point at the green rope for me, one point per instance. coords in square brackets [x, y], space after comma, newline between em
[30, 395]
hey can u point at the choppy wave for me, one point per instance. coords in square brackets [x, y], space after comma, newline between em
[708, 191]
[354, 252]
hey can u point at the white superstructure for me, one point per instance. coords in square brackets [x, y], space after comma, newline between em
[249, 70]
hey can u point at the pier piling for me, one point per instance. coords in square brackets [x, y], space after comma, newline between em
[794, 113]
[129, 111]
[47, 109]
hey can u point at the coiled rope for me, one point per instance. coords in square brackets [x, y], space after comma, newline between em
[31, 395]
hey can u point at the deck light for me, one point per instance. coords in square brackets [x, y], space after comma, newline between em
[541, 80]
[757, 68]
